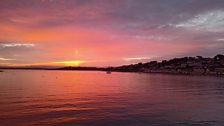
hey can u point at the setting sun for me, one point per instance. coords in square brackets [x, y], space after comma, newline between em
[70, 63]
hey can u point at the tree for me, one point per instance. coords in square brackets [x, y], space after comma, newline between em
[199, 57]
[219, 57]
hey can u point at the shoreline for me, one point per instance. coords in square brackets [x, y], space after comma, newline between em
[168, 73]
[140, 72]
[203, 66]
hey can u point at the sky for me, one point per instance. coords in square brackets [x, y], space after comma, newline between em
[108, 32]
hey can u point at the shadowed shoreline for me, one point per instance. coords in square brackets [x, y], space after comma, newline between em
[182, 66]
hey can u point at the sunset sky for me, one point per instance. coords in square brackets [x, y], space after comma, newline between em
[108, 32]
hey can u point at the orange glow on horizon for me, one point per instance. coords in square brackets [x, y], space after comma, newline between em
[70, 63]
[56, 63]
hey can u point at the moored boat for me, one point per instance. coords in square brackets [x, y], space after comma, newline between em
[108, 72]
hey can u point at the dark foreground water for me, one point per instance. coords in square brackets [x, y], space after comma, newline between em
[75, 98]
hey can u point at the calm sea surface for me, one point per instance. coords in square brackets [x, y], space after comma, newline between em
[82, 98]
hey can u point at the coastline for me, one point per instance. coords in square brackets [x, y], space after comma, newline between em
[167, 73]
[176, 66]
[181, 66]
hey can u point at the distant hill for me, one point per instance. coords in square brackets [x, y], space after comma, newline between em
[53, 68]
[186, 65]
[80, 68]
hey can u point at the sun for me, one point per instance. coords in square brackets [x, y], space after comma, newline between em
[71, 63]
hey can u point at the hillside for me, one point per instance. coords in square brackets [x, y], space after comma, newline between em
[187, 65]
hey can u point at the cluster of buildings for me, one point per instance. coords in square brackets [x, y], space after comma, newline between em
[187, 65]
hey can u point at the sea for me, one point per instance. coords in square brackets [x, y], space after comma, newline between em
[95, 98]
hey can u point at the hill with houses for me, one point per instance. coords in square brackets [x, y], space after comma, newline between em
[186, 65]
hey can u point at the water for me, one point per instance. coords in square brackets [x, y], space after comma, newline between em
[78, 98]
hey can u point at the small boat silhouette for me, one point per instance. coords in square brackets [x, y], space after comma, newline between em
[108, 72]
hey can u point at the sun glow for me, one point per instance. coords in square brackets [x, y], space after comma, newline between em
[71, 63]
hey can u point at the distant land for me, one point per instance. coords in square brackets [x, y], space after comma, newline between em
[52, 68]
[187, 66]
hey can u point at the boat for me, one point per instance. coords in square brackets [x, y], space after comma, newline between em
[108, 72]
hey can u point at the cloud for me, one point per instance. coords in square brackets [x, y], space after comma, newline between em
[5, 59]
[11, 45]
[138, 58]
[144, 37]
[220, 40]
[212, 21]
